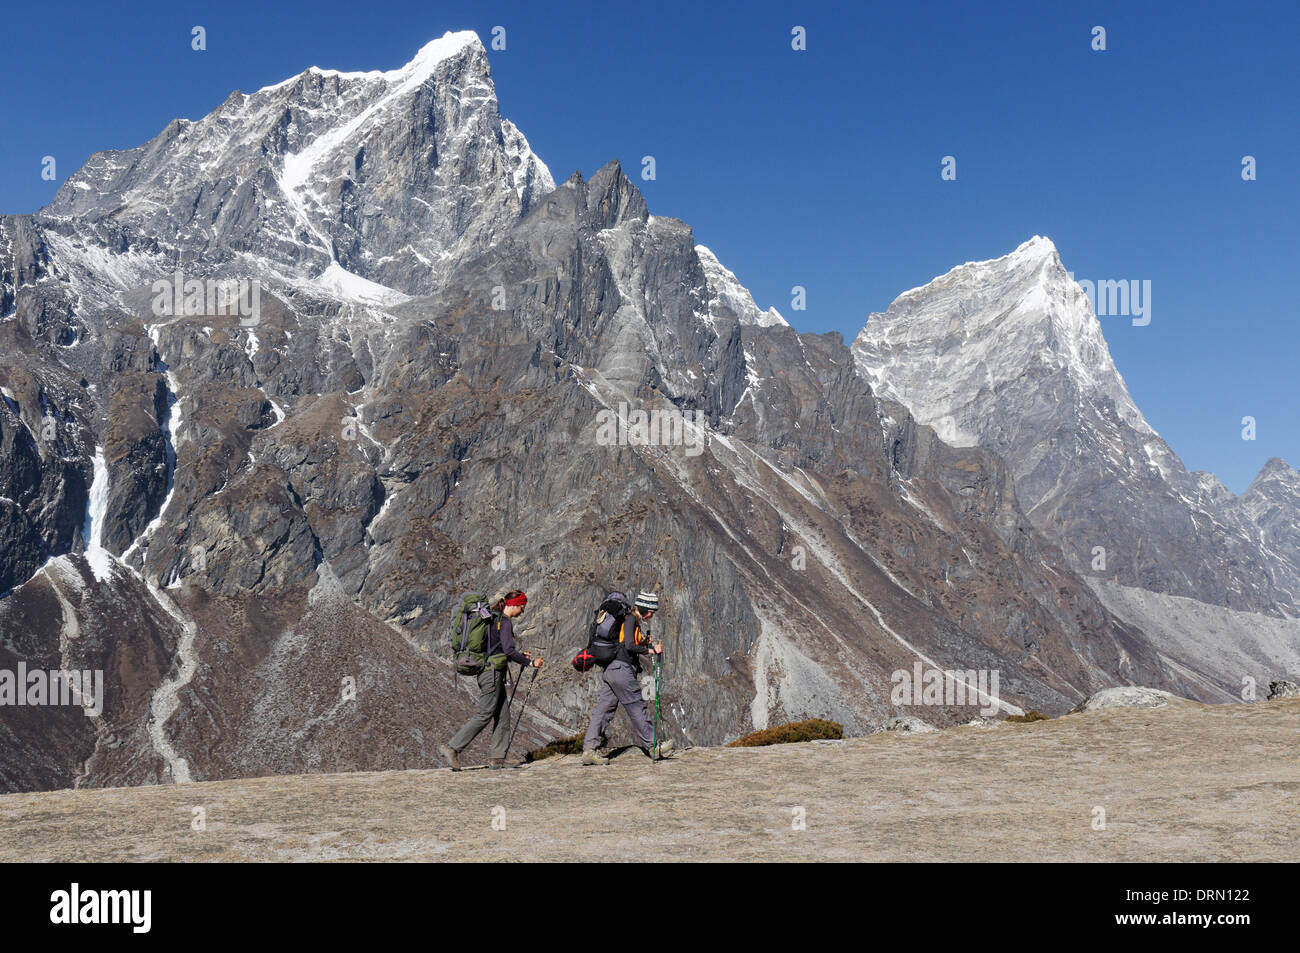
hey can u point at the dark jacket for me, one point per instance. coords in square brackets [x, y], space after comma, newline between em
[501, 641]
[635, 644]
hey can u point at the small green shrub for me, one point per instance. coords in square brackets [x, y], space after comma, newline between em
[814, 729]
[1031, 715]
[563, 746]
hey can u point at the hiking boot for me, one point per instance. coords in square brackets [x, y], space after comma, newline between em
[496, 763]
[665, 749]
[591, 757]
[450, 756]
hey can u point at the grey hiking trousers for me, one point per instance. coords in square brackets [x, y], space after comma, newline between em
[620, 688]
[491, 699]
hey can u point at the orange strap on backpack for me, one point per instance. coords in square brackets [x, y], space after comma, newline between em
[638, 637]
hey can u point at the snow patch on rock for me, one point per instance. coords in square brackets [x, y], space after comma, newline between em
[100, 559]
[338, 281]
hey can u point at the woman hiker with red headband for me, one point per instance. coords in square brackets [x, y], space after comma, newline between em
[500, 651]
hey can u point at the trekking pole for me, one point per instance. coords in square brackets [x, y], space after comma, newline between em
[513, 688]
[658, 662]
[523, 706]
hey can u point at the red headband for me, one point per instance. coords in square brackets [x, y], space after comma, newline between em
[519, 600]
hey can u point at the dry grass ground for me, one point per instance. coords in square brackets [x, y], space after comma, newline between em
[1184, 782]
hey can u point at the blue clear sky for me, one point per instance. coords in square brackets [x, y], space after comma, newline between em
[821, 168]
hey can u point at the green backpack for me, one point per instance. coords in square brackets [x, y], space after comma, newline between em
[469, 636]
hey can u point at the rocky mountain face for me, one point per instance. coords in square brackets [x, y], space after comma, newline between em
[460, 377]
[1270, 511]
[1232, 655]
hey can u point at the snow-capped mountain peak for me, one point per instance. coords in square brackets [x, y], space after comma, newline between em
[1028, 255]
[423, 63]
[1008, 354]
[308, 174]
[727, 291]
[391, 175]
[982, 325]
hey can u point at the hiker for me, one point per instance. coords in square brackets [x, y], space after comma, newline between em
[500, 651]
[621, 685]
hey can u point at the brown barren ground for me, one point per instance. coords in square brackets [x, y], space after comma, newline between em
[1183, 782]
